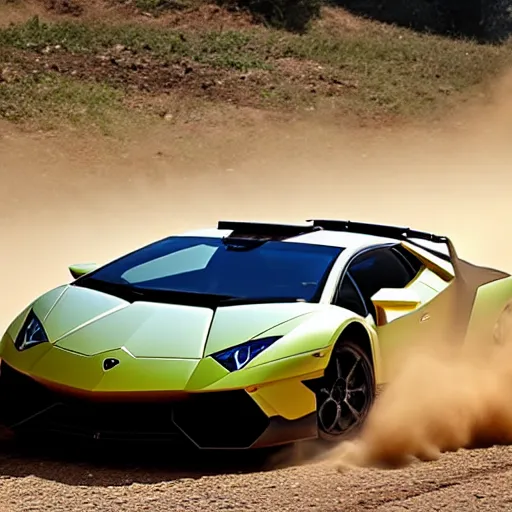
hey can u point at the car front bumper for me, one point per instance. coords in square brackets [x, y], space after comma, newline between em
[207, 420]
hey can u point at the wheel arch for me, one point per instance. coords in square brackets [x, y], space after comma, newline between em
[357, 332]
[354, 335]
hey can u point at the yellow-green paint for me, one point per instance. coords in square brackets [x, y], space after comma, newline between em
[277, 396]
[23, 361]
[236, 324]
[82, 269]
[206, 374]
[294, 366]
[145, 330]
[76, 307]
[489, 303]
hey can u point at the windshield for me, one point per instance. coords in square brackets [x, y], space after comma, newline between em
[209, 266]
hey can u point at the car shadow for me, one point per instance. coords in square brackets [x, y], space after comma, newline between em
[122, 464]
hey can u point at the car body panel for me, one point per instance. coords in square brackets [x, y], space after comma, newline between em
[45, 304]
[145, 330]
[274, 397]
[85, 373]
[23, 361]
[77, 307]
[490, 303]
[236, 324]
[427, 322]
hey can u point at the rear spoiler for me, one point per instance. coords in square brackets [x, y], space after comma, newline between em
[398, 232]
[278, 230]
[387, 231]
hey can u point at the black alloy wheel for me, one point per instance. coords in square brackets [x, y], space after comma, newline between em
[346, 392]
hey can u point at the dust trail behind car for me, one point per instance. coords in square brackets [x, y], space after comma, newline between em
[444, 398]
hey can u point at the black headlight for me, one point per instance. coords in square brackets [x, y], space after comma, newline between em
[31, 334]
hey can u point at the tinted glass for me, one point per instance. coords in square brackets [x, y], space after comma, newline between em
[349, 298]
[411, 262]
[207, 266]
[379, 269]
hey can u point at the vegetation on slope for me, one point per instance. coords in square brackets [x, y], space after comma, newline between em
[74, 69]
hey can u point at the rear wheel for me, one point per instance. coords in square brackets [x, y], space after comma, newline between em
[346, 393]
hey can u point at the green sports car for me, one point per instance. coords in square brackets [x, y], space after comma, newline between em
[244, 335]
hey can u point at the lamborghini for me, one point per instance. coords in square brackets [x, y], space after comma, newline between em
[243, 335]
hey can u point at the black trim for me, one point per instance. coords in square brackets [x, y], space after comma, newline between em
[387, 231]
[282, 431]
[260, 230]
[132, 294]
[221, 420]
[397, 232]
[440, 255]
[281, 231]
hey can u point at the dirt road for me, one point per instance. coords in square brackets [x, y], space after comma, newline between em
[478, 480]
[68, 199]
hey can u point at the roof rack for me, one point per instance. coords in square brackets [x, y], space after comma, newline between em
[401, 233]
[261, 230]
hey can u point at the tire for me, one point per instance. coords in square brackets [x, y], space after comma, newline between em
[342, 410]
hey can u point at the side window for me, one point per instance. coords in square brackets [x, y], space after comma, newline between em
[348, 297]
[411, 261]
[380, 268]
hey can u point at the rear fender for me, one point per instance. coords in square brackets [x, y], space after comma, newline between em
[491, 318]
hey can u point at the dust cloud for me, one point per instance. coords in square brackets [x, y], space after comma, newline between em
[442, 400]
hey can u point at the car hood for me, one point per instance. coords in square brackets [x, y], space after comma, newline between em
[89, 322]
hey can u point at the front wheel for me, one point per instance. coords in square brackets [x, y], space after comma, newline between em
[346, 393]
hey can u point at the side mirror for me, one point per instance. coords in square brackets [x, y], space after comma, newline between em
[82, 269]
[392, 303]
